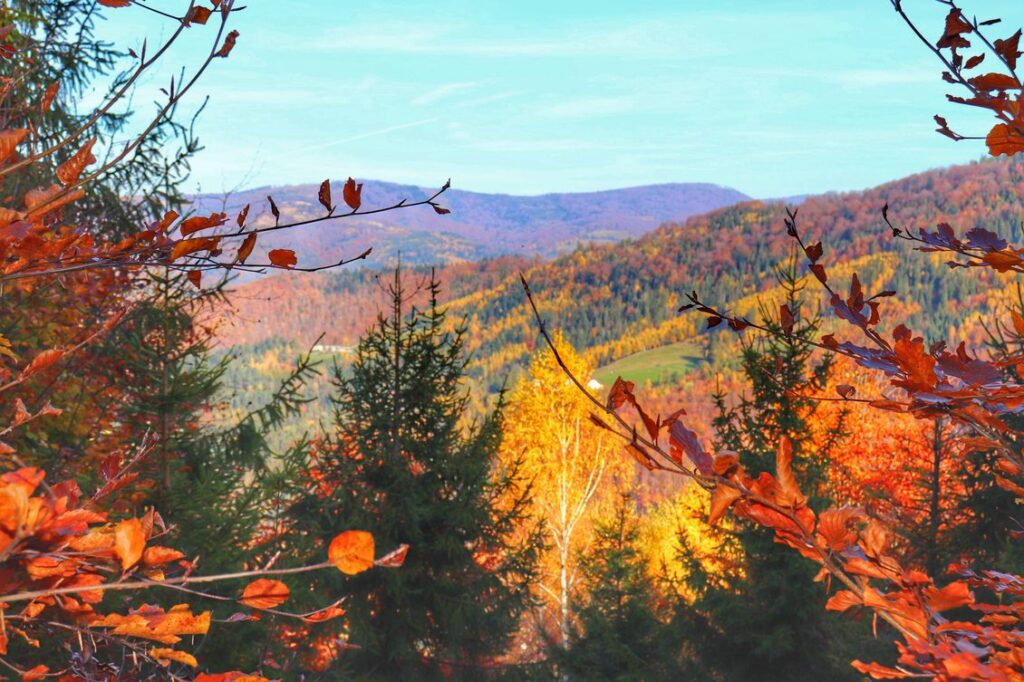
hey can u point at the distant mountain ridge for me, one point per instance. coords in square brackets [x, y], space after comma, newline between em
[479, 226]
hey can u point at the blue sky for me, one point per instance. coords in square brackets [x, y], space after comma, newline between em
[774, 98]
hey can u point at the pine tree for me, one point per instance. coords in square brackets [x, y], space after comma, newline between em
[406, 466]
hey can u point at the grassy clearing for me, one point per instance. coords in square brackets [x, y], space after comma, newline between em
[657, 366]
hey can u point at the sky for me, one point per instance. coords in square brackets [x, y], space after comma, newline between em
[772, 97]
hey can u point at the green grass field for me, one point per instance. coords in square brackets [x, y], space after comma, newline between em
[657, 366]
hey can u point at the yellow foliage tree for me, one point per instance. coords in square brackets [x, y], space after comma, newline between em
[572, 466]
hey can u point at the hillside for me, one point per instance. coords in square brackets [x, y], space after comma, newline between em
[620, 299]
[479, 225]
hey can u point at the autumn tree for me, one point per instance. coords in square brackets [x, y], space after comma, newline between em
[404, 464]
[573, 471]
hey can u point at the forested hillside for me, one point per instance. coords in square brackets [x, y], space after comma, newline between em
[616, 300]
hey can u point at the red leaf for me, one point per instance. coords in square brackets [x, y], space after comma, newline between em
[283, 258]
[352, 194]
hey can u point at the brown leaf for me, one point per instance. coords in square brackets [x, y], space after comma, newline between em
[229, 44]
[351, 552]
[198, 15]
[265, 594]
[324, 195]
[246, 248]
[69, 171]
[786, 319]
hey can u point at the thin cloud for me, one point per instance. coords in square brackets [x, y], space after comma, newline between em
[443, 92]
[369, 133]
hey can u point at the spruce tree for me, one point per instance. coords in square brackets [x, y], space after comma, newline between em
[767, 619]
[406, 466]
[621, 635]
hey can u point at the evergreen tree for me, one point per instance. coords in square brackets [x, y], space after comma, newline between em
[405, 466]
[767, 619]
[622, 637]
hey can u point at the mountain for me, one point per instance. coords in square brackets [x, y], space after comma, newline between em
[479, 225]
[616, 300]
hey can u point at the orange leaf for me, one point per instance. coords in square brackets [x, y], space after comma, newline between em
[721, 500]
[1018, 322]
[879, 672]
[789, 492]
[196, 277]
[9, 139]
[952, 596]
[916, 363]
[129, 542]
[156, 555]
[166, 221]
[322, 615]
[351, 552]
[36, 673]
[835, 527]
[42, 361]
[51, 92]
[393, 559]
[185, 247]
[246, 248]
[265, 594]
[842, 600]
[283, 258]
[1002, 261]
[197, 223]
[115, 3]
[352, 193]
[165, 657]
[1003, 139]
[69, 171]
